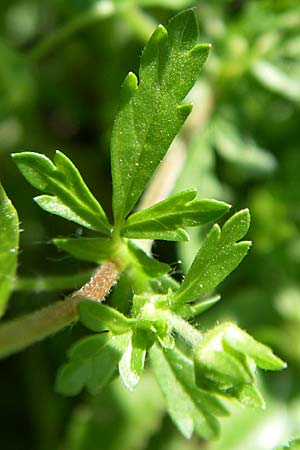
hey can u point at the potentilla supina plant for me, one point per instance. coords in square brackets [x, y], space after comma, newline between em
[197, 372]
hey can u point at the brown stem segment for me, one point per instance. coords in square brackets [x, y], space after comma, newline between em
[100, 284]
[17, 334]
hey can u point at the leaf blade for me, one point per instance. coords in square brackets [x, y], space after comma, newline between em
[96, 250]
[99, 317]
[92, 363]
[189, 409]
[150, 114]
[179, 210]
[70, 197]
[9, 243]
[218, 256]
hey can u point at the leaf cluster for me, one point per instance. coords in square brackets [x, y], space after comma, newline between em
[196, 375]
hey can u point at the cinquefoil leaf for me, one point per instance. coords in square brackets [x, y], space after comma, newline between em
[92, 363]
[151, 113]
[191, 408]
[180, 210]
[70, 197]
[9, 241]
[226, 361]
[242, 342]
[219, 255]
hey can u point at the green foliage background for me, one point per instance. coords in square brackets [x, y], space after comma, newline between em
[61, 66]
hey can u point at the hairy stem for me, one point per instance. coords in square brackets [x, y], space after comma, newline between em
[17, 334]
[182, 327]
[100, 283]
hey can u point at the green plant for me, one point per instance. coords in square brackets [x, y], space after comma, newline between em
[294, 444]
[195, 370]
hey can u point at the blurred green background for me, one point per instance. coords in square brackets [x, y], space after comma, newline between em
[61, 66]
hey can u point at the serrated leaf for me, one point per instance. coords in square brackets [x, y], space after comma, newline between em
[93, 362]
[219, 371]
[150, 266]
[242, 342]
[190, 407]
[70, 197]
[96, 250]
[131, 365]
[218, 256]
[99, 317]
[9, 242]
[179, 210]
[249, 395]
[151, 114]
[226, 360]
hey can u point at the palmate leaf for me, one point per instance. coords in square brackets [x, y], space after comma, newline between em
[151, 113]
[92, 363]
[9, 241]
[165, 219]
[191, 408]
[71, 198]
[218, 256]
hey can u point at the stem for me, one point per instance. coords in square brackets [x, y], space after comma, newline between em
[17, 334]
[182, 327]
[100, 284]
[101, 10]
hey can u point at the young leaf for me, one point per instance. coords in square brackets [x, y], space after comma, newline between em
[151, 113]
[150, 266]
[93, 362]
[166, 219]
[189, 311]
[131, 365]
[99, 317]
[71, 198]
[96, 250]
[219, 255]
[191, 408]
[242, 342]
[9, 241]
[226, 360]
